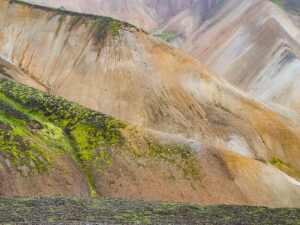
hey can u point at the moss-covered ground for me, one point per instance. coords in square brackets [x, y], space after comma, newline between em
[32, 121]
[75, 210]
[36, 128]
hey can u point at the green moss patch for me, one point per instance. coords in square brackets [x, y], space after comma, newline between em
[180, 156]
[169, 36]
[286, 168]
[32, 116]
[21, 151]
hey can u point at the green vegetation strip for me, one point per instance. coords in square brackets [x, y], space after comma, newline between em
[169, 35]
[31, 119]
[286, 168]
[83, 210]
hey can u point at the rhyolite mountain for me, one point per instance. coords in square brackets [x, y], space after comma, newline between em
[253, 44]
[173, 20]
[147, 14]
[203, 140]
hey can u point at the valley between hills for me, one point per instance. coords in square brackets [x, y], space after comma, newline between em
[97, 107]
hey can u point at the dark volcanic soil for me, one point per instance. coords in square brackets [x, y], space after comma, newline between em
[83, 210]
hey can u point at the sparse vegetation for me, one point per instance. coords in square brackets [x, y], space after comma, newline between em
[169, 36]
[74, 210]
[180, 156]
[3, 71]
[102, 26]
[38, 128]
[286, 168]
[32, 119]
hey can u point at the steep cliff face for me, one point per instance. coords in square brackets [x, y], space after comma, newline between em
[117, 69]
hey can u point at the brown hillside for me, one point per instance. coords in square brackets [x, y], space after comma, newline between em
[143, 80]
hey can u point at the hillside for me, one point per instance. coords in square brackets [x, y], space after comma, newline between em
[147, 14]
[255, 46]
[174, 21]
[49, 145]
[192, 118]
[252, 50]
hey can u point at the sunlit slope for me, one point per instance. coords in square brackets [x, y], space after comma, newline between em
[52, 146]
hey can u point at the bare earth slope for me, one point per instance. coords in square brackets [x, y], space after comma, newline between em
[254, 45]
[143, 80]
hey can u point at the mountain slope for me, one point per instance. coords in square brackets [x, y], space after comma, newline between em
[252, 44]
[180, 27]
[147, 14]
[143, 80]
[117, 69]
[255, 46]
[49, 145]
